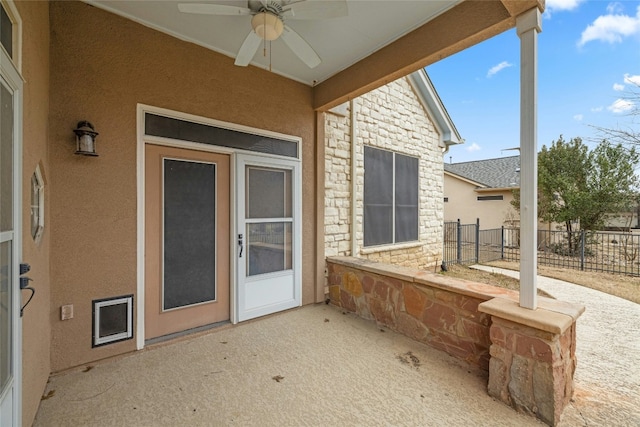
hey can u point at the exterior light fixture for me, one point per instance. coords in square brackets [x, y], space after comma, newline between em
[267, 25]
[85, 139]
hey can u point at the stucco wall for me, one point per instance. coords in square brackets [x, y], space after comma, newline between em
[36, 321]
[463, 204]
[101, 67]
[390, 118]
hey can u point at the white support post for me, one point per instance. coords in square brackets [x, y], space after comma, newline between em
[528, 25]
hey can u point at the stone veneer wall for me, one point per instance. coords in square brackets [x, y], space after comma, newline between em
[427, 307]
[390, 118]
[530, 354]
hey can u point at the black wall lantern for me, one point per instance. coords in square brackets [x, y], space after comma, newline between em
[85, 139]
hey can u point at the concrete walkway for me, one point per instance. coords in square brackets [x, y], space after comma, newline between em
[607, 379]
[313, 366]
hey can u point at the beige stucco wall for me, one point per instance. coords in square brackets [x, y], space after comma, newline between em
[463, 204]
[392, 118]
[36, 320]
[101, 67]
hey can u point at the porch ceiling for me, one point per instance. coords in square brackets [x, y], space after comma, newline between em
[377, 42]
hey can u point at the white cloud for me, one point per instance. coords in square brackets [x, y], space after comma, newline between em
[473, 147]
[620, 106]
[553, 6]
[618, 87]
[578, 117]
[634, 80]
[497, 68]
[556, 5]
[611, 28]
[597, 109]
[613, 8]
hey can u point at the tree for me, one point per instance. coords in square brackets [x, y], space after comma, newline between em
[578, 185]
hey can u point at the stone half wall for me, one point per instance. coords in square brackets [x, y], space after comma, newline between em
[390, 118]
[427, 307]
[529, 354]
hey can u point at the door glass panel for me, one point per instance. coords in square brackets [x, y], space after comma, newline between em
[268, 193]
[268, 247]
[189, 233]
[6, 159]
[5, 314]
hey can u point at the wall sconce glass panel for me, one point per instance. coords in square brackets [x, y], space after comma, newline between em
[37, 205]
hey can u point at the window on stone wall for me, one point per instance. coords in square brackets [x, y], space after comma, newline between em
[390, 197]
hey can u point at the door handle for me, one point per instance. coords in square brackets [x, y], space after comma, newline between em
[24, 284]
[241, 244]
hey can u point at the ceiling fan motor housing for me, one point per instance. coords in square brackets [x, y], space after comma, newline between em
[267, 25]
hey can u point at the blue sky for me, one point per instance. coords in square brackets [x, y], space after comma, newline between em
[588, 61]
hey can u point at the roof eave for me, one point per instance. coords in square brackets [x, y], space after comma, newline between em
[433, 104]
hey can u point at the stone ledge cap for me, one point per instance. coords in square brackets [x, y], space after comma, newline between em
[541, 318]
[468, 288]
[396, 271]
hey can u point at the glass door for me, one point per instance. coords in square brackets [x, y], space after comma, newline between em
[10, 326]
[268, 234]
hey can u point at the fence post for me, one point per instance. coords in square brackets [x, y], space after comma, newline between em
[582, 250]
[477, 240]
[459, 243]
[502, 243]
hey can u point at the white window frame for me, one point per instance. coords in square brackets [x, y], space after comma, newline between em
[393, 244]
[16, 57]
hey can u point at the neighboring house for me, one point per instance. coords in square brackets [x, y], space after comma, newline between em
[201, 164]
[401, 131]
[482, 189]
[623, 221]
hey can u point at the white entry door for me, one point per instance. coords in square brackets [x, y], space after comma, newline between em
[10, 157]
[268, 231]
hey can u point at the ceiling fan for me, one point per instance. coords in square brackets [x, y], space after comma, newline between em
[268, 22]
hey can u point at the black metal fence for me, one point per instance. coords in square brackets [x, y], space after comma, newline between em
[612, 252]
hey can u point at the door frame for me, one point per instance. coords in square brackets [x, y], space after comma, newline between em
[11, 74]
[142, 140]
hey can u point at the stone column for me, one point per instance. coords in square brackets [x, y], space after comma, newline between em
[532, 356]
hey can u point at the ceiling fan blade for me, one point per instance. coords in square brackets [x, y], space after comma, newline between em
[213, 9]
[300, 47]
[311, 9]
[248, 49]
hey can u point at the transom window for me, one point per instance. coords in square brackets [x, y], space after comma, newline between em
[390, 197]
[10, 31]
[6, 31]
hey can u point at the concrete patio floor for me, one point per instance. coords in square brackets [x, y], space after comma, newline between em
[310, 366]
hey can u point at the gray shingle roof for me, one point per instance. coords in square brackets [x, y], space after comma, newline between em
[502, 172]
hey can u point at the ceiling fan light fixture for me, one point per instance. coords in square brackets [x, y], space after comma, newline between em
[267, 25]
